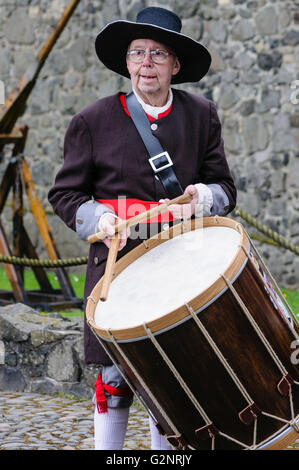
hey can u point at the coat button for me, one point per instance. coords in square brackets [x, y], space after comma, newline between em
[154, 126]
[80, 221]
[96, 260]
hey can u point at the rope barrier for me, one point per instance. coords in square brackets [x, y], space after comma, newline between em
[280, 241]
[47, 263]
[274, 239]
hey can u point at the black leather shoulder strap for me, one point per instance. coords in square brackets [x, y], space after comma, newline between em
[159, 160]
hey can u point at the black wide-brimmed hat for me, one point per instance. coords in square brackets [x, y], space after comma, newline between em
[160, 25]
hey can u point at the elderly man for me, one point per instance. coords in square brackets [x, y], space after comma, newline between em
[105, 157]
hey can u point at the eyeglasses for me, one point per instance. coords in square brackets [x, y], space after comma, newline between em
[157, 56]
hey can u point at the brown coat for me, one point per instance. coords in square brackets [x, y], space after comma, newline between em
[104, 157]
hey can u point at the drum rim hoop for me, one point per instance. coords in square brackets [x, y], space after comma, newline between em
[197, 303]
[281, 439]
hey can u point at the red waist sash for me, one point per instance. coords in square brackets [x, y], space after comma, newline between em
[125, 208]
[101, 388]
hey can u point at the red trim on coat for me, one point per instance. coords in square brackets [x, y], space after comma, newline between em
[151, 118]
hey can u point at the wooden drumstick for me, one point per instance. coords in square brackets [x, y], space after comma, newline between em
[158, 210]
[109, 270]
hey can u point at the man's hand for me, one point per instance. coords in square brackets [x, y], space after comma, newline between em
[185, 211]
[107, 225]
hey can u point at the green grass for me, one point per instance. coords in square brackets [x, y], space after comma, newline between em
[292, 297]
[77, 280]
[30, 283]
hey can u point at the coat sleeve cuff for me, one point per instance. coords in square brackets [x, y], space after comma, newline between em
[220, 200]
[88, 216]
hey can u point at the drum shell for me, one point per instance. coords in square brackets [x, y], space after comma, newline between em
[197, 363]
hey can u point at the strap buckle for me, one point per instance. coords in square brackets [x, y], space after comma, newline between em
[160, 162]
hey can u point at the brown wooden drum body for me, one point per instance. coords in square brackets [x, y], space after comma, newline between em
[218, 371]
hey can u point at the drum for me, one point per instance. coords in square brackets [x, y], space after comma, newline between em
[205, 337]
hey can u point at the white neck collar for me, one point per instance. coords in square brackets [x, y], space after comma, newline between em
[154, 111]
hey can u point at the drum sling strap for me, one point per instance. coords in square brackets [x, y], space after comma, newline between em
[159, 160]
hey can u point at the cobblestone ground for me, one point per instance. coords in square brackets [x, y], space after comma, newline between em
[30, 421]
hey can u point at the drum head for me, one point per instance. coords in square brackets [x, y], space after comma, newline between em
[160, 279]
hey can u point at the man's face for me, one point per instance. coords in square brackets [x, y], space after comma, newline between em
[150, 80]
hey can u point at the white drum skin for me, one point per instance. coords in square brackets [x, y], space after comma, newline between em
[167, 276]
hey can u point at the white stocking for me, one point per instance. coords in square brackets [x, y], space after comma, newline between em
[158, 442]
[110, 428]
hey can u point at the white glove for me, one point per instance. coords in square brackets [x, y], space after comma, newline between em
[205, 200]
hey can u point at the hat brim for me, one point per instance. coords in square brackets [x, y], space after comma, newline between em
[112, 43]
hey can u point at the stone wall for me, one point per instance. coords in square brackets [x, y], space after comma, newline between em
[43, 353]
[253, 81]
